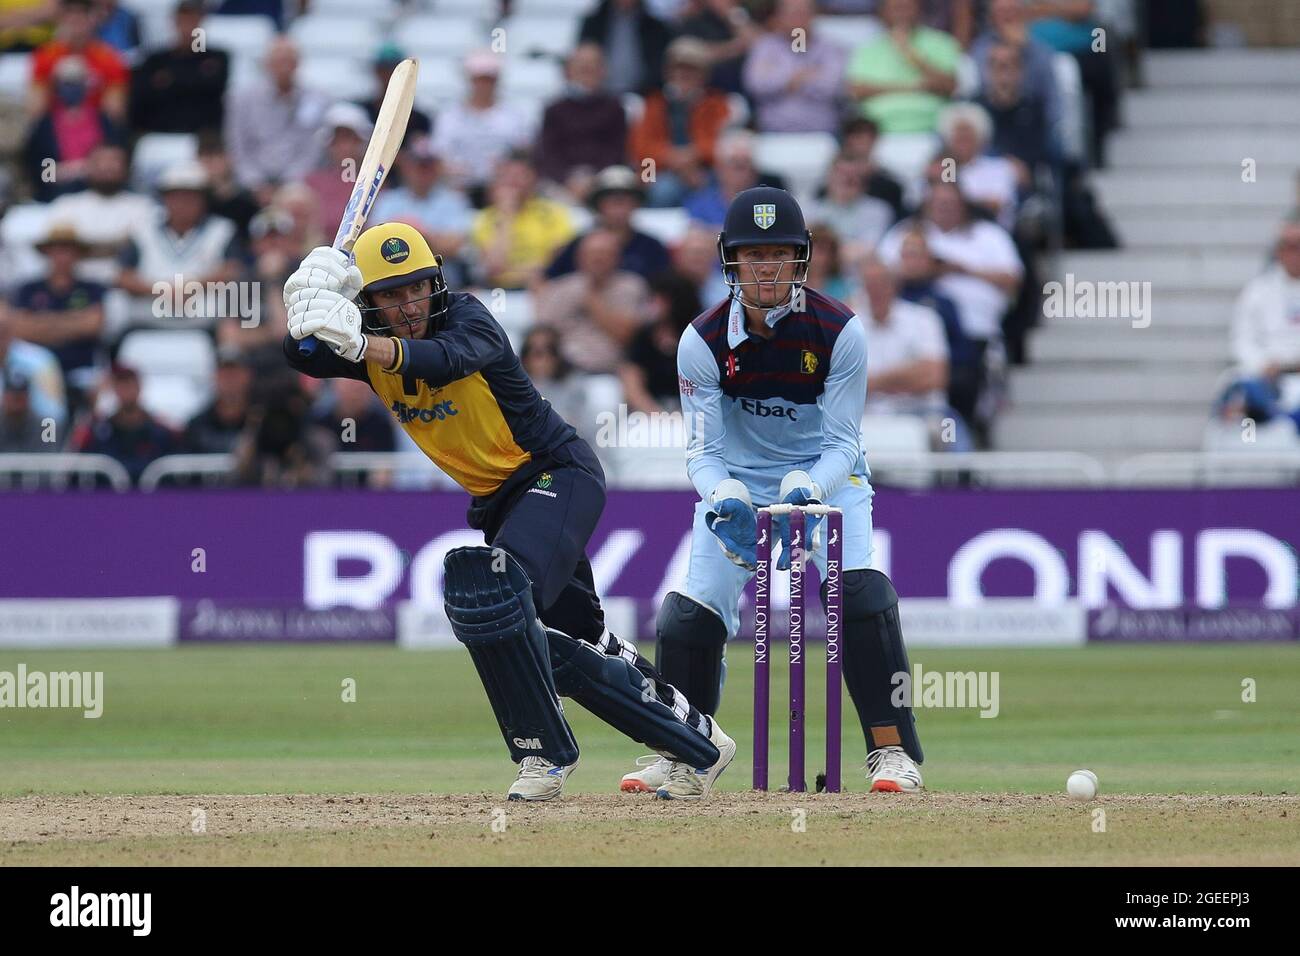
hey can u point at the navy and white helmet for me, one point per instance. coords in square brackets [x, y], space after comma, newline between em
[763, 216]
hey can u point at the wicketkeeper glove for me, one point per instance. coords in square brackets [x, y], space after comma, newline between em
[731, 519]
[798, 488]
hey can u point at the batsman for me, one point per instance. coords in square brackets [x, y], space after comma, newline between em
[525, 605]
[773, 382]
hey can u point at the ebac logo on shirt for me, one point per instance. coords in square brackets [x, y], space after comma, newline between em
[395, 250]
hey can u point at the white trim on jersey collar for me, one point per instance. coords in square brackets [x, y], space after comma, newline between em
[736, 330]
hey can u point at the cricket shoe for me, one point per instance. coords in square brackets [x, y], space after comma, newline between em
[893, 771]
[687, 783]
[539, 779]
[652, 776]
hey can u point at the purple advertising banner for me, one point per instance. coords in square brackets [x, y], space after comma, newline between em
[1137, 549]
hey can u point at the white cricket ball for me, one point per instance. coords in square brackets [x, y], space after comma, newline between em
[1082, 785]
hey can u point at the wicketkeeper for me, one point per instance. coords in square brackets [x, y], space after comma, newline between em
[526, 605]
[773, 381]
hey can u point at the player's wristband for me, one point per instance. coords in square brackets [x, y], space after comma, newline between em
[399, 354]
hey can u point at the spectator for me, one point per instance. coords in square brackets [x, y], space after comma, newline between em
[917, 274]
[796, 89]
[1021, 128]
[119, 28]
[273, 127]
[356, 418]
[680, 125]
[696, 258]
[347, 131]
[907, 355]
[858, 138]
[225, 195]
[976, 259]
[728, 33]
[280, 446]
[106, 73]
[35, 365]
[991, 183]
[300, 204]
[163, 261]
[733, 171]
[1266, 333]
[1008, 26]
[558, 381]
[903, 78]
[597, 309]
[21, 429]
[276, 253]
[649, 368]
[106, 212]
[66, 132]
[847, 210]
[181, 89]
[64, 313]
[826, 267]
[633, 41]
[1070, 26]
[616, 195]
[26, 25]
[518, 233]
[474, 135]
[130, 435]
[215, 430]
[585, 129]
[442, 214]
[385, 61]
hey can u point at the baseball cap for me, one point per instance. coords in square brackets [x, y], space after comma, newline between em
[614, 179]
[348, 116]
[421, 147]
[270, 220]
[483, 63]
[188, 174]
[388, 54]
[688, 51]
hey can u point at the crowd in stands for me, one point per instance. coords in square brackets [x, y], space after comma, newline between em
[142, 311]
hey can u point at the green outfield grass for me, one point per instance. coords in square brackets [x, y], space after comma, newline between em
[272, 720]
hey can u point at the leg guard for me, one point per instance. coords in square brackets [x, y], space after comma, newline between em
[492, 614]
[689, 655]
[873, 654]
[619, 694]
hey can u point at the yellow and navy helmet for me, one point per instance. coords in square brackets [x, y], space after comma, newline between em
[394, 254]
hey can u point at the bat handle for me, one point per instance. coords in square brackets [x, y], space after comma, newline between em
[308, 345]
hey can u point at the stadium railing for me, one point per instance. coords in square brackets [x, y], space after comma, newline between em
[56, 471]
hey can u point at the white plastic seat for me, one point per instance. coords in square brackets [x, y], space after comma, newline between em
[555, 34]
[894, 433]
[441, 80]
[850, 32]
[487, 11]
[438, 36]
[239, 35]
[1069, 85]
[173, 399]
[15, 76]
[667, 225]
[905, 155]
[378, 9]
[346, 36]
[157, 151]
[344, 78]
[21, 228]
[183, 352]
[541, 79]
[802, 159]
[548, 8]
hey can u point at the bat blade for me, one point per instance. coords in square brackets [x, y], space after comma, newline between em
[385, 141]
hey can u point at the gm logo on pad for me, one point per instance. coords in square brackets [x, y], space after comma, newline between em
[395, 250]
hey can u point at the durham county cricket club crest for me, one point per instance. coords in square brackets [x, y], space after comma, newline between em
[764, 215]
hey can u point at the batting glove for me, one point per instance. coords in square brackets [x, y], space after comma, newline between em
[330, 317]
[731, 519]
[328, 269]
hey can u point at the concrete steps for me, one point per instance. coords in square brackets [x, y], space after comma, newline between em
[1125, 344]
[1193, 69]
[1195, 190]
[1122, 430]
[1047, 385]
[1201, 146]
[1266, 106]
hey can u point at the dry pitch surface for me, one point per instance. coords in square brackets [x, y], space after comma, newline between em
[729, 828]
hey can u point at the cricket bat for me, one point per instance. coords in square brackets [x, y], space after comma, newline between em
[390, 128]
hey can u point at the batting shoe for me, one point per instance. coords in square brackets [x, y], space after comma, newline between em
[893, 771]
[539, 779]
[652, 775]
[687, 783]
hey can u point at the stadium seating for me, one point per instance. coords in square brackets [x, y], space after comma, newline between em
[21, 228]
[155, 152]
[344, 78]
[666, 225]
[15, 74]
[534, 79]
[176, 368]
[800, 158]
[555, 34]
[337, 36]
[437, 36]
